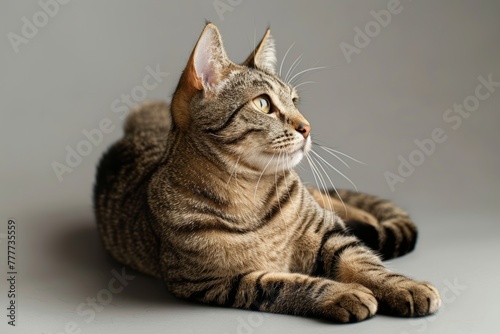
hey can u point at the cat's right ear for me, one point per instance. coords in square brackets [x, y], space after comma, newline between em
[264, 55]
[205, 69]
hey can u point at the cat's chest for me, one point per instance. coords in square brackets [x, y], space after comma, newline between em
[264, 207]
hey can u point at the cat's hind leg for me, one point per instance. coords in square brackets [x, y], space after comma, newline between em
[377, 222]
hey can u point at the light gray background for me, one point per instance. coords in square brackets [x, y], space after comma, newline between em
[393, 92]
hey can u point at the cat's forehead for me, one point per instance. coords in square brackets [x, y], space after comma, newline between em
[256, 80]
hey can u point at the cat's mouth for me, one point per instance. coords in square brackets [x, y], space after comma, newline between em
[280, 158]
[289, 157]
[292, 149]
[304, 147]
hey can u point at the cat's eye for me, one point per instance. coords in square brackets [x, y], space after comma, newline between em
[262, 103]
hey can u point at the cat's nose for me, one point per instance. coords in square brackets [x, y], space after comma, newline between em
[303, 129]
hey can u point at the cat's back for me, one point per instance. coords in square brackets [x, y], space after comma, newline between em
[120, 199]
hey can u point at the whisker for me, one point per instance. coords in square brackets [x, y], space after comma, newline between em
[248, 152]
[338, 152]
[336, 156]
[322, 168]
[303, 83]
[277, 193]
[313, 171]
[234, 170]
[300, 167]
[335, 169]
[305, 71]
[341, 200]
[288, 169]
[294, 65]
[331, 182]
[284, 58]
[323, 188]
[261, 174]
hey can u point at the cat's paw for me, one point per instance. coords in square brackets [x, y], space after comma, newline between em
[410, 298]
[352, 303]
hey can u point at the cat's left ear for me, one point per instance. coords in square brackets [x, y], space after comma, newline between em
[207, 66]
[264, 55]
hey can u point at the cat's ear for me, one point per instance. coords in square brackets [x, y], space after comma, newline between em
[208, 60]
[205, 69]
[264, 55]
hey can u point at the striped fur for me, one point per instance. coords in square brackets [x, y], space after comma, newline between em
[378, 223]
[202, 194]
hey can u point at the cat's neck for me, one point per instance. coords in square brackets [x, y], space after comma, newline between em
[223, 174]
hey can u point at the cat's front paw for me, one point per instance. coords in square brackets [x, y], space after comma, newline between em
[352, 304]
[409, 298]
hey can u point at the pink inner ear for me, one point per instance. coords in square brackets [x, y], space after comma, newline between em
[204, 59]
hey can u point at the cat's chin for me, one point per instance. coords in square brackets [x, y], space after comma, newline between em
[278, 162]
[295, 159]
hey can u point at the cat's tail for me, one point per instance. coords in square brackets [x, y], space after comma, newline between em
[153, 118]
[120, 190]
[126, 164]
[395, 234]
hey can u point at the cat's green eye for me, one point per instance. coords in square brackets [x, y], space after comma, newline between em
[262, 103]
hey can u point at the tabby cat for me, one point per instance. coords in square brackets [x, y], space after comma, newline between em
[202, 194]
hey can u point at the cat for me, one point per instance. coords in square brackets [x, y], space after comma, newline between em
[202, 194]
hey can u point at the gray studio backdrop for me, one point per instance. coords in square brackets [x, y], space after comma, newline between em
[410, 88]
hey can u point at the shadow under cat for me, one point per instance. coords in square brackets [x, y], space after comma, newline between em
[76, 248]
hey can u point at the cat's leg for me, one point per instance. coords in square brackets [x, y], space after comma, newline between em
[344, 210]
[342, 257]
[286, 293]
[380, 224]
[397, 232]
